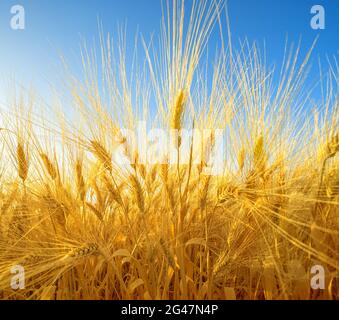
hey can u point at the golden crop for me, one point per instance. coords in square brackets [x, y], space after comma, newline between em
[85, 227]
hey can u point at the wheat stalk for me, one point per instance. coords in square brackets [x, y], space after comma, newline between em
[167, 253]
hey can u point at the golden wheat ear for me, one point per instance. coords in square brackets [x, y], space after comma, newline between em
[50, 167]
[241, 159]
[81, 186]
[22, 162]
[101, 154]
[84, 251]
[178, 110]
[332, 147]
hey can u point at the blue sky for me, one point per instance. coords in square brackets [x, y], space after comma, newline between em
[52, 27]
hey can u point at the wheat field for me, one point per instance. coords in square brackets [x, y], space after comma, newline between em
[85, 226]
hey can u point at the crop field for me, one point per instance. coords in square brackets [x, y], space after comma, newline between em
[183, 175]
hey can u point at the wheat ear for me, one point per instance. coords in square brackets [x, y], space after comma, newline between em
[102, 155]
[178, 111]
[22, 162]
[49, 166]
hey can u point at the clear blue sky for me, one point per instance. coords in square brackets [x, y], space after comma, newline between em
[54, 26]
